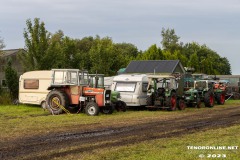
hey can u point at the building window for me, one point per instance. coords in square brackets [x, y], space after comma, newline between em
[4, 84]
[31, 84]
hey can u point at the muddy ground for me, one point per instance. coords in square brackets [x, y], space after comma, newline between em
[88, 139]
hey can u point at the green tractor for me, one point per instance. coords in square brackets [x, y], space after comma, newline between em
[97, 81]
[165, 92]
[191, 96]
[206, 91]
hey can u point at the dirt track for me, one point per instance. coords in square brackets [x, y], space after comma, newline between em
[89, 139]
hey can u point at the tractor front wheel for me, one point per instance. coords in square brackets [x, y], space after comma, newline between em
[92, 109]
[198, 101]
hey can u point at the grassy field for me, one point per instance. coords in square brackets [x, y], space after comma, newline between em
[23, 120]
[175, 148]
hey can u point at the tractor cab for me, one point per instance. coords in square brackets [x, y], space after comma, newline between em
[72, 77]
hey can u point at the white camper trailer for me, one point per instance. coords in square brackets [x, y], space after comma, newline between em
[132, 88]
[33, 87]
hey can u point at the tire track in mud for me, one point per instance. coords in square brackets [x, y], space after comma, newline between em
[84, 141]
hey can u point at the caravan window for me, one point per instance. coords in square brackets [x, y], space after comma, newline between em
[31, 84]
[144, 87]
[125, 87]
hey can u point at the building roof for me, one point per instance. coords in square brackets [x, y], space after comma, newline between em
[9, 52]
[153, 66]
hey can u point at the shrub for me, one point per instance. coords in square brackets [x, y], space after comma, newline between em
[5, 98]
[12, 81]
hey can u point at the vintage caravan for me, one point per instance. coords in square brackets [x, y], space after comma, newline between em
[132, 88]
[33, 87]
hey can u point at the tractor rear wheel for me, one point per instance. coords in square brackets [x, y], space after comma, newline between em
[181, 104]
[92, 109]
[172, 102]
[209, 99]
[107, 109]
[55, 100]
[220, 98]
[121, 106]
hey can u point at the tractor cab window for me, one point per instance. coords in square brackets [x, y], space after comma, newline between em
[200, 85]
[63, 77]
[165, 83]
[83, 78]
[72, 77]
[96, 78]
[59, 77]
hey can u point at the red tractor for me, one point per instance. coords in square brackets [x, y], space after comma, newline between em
[70, 89]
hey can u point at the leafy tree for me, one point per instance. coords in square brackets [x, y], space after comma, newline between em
[11, 80]
[152, 53]
[36, 45]
[103, 57]
[63, 49]
[1, 44]
[82, 57]
[124, 52]
[194, 62]
[205, 60]
[170, 41]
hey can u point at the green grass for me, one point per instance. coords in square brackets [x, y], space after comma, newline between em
[175, 148]
[31, 120]
[24, 120]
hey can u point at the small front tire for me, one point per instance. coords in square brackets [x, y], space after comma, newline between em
[92, 109]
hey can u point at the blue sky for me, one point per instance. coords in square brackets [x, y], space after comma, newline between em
[211, 22]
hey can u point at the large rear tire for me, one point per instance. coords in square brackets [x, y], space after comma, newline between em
[92, 109]
[181, 104]
[55, 100]
[172, 102]
[209, 99]
[121, 106]
[107, 109]
[220, 98]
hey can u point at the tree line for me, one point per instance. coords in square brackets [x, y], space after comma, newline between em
[45, 50]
